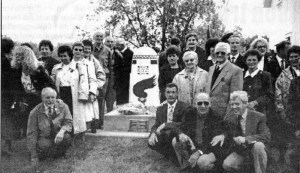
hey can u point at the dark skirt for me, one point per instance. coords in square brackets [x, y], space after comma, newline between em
[66, 95]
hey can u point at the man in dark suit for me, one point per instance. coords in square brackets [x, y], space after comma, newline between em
[248, 134]
[167, 123]
[279, 61]
[235, 57]
[194, 146]
[122, 68]
[223, 78]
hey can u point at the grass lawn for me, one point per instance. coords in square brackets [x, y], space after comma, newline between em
[99, 155]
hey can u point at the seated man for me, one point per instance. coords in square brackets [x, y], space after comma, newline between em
[168, 119]
[194, 146]
[248, 133]
[48, 126]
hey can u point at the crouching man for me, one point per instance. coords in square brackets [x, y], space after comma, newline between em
[167, 123]
[195, 147]
[248, 133]
[48, 129]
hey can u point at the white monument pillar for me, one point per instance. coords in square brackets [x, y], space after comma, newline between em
[144, 77]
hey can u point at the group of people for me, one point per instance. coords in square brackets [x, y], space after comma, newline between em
[51, 100]
[221, 109]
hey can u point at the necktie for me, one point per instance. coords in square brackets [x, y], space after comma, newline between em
[50, 113]
[170, 115]
[239, 125]
[232, 59]
[215, 76]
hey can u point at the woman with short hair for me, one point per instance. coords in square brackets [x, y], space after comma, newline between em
[191, 80]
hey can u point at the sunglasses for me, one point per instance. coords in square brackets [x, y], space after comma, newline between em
[80, 50]
[222, 53]
[188, 60]
[260, 47]
[201, 103]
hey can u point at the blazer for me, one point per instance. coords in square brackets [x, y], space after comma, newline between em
[274, 68]
[256, 130]
[240, 62]
[182, 81]
[259, 88]
[180, 110]
[230, 79]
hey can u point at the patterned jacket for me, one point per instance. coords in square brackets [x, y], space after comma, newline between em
[282, 86]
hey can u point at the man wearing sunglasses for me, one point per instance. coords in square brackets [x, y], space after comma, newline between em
[223, 78]
[168, 120]
[194, 146]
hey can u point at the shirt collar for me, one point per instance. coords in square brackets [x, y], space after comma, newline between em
[278, 59]
[173, 105]
[236, 56]
[252, 74]
[244, 116]
[222, 65]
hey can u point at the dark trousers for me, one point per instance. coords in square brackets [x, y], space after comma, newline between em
[66, 95]
[101, 102]
[164, 146]
[110, 93]
[47, 148]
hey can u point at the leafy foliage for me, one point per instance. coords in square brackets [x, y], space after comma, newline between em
[152, 22]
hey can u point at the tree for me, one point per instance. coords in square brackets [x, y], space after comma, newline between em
[153, 21]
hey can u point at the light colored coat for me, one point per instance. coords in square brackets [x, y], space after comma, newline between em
[182, 81]
[83, 81]
[230, 79]
[282, 87]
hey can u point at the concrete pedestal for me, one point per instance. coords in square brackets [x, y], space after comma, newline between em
[117, 122]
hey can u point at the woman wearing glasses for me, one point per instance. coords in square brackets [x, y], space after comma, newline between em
[257, 83]
[76, 82]
[191, 80]
[262, 46]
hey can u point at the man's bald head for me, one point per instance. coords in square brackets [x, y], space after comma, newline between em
[203, 103]
[120, 44]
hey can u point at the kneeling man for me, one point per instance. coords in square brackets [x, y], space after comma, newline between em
[168, 119]
[248, 132]
[195, 146]
[48, 129]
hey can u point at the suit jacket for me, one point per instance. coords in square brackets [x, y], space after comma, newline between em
[255, 130]
[274, 68]
[50, 62]
[180, 110]
[39, 125]
[230, 79]
[240, 62]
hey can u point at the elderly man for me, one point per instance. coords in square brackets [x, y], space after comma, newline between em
[223, 78]
[168, 119]
[195, 146]
[248, 134]
[48, 129]
[122, 68]
[109, 42]
[104, 55]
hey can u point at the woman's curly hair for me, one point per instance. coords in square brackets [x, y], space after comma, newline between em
[29, 61]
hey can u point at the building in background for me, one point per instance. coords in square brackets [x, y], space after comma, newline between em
[286, 16]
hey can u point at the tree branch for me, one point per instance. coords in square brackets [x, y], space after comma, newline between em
[157, 7]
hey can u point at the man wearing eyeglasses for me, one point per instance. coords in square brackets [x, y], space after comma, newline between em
[194, 146]
[223, 78]
[168, 120]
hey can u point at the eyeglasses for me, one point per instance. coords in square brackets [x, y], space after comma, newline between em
[260, 47]
[222, 53]
[192, 60]
[80, 50]
[201, 103]
[294, 57]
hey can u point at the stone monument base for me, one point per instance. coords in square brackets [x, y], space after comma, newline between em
[114, 121]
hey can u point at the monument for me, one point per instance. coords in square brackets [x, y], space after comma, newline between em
[144, 77]
[139, 114]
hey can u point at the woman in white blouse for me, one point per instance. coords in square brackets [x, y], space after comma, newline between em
[75, 80]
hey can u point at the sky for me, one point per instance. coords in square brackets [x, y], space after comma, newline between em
[34, 20]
